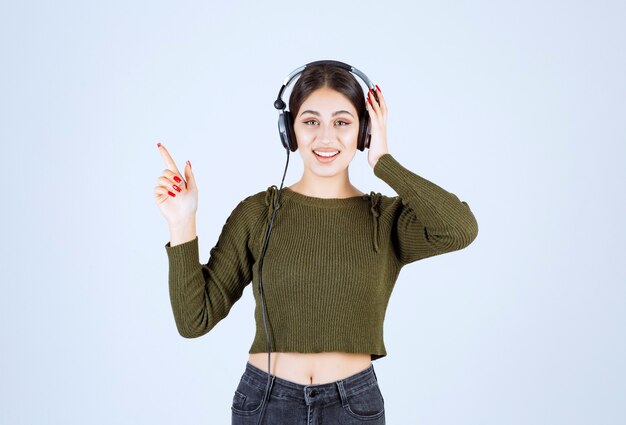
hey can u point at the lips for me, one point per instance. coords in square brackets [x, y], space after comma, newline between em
[326, 154]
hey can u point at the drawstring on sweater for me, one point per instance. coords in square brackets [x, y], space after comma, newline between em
[271, 194]
[375, 199]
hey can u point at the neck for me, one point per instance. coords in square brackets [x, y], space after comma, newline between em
[337, 186]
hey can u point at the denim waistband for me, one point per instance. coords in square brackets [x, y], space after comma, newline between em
[311, 393]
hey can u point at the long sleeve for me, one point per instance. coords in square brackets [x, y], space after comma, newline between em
[429, 220]
[202, 294]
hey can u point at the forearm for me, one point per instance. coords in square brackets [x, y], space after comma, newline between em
[188, 290]
[433, 220]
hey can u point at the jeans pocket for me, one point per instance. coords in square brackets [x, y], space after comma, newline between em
[366, 404]
[248, 399]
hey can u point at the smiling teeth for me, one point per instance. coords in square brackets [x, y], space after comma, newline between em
[326, 154]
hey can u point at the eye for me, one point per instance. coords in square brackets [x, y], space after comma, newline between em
[310, 121]
[342, 123]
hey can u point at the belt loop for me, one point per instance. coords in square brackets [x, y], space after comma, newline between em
[271, 385]
[374, 372]
[342, 393]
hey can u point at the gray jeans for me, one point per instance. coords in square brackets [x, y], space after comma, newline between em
[356, 399]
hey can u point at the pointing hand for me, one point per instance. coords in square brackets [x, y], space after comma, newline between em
[176, 197]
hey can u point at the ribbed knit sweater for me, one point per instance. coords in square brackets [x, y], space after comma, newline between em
[330, 266]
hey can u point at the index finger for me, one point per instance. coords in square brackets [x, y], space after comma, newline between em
[168, 159]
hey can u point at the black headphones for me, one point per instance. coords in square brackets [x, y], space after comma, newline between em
[285, 119]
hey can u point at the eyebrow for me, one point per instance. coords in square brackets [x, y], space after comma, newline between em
[334, 113]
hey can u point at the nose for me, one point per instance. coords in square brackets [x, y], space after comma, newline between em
[326, 134]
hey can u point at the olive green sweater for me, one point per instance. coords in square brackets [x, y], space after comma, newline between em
[330, 266]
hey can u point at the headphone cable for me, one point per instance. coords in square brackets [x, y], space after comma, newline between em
[267, 238]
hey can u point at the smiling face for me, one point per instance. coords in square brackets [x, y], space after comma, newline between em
[326, 129]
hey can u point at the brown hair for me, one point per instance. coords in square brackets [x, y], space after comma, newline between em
[326, 75]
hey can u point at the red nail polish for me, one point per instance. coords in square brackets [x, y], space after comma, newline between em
[170, 193]
[378, 88]
[158, 145]
[189, 162]
[369, 101]
[176, 188]
[177, 179]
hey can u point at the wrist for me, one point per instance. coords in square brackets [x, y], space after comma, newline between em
[183, 224]
[183, 231]
[377, 158]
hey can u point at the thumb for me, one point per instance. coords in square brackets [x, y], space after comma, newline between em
[189, 177]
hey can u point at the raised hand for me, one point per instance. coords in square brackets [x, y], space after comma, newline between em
[378, 117]
[176, 197]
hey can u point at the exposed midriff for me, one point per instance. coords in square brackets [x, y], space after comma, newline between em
[312, 368]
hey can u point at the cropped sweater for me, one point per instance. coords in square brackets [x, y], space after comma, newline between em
[330, 266]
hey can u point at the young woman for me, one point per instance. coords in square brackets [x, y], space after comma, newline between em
[329, 270]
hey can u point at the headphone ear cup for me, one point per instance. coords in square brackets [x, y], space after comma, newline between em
[282, 130]
[291, 135]
[364, 132]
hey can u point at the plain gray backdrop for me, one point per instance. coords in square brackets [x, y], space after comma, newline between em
[516, 107]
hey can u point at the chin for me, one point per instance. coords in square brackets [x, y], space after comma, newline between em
[327, 170]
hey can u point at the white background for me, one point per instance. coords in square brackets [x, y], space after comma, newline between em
[516, 107]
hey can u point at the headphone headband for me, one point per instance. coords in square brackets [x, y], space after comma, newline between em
[280, 104]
